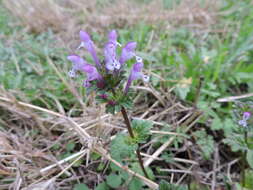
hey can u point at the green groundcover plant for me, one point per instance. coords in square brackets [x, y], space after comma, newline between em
[109, 79]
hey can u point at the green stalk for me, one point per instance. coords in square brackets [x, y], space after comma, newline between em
[130, 131]
[244, 158]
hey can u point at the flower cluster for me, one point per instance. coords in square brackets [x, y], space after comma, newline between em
[245, 118]
[107, 76]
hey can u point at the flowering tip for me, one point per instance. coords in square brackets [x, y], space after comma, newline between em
[246, 115]
[112, 65]
[88, 68]
[127, 52]
[130, 46]
[242, 123]
[112, 36]
[110, 50]
[74, 58]
[84, 36]
[78, 62]
[87, 43]
[137, 67]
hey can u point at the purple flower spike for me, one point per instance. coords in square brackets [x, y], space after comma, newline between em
[246, 115]
[112, 36]
[78, 64]
[88, 44]
[127, 52]
[92, 73]
[110, 57]
[136, 73]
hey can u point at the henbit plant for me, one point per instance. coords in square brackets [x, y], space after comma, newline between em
[107, 78]
[241, 137]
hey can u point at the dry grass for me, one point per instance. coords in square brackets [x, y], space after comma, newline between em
[28, 157]
[30, 132]
[38, 15]
[68, 17]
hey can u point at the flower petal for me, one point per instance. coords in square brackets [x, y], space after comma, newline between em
[246, 115]
[110, 51]
[127, 52]
[242, 123]
[137, 67]
[110, 57]
[136, 73]
[78, 62]
[92, 73]
[88, 44]
[112, 37]
[72, 73]
[86, 83]
[145, 78]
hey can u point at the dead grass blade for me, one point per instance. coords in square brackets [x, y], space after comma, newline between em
[66, 17]
[191, 121]
[92, 143]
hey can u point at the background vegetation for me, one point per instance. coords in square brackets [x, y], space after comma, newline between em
[195, 52]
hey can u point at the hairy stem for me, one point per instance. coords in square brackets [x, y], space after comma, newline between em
[244, 158]
[130, 131]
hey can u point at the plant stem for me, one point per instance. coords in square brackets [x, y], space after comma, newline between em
[244, 157]
[130, 131]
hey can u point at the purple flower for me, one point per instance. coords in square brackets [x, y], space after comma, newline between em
[136, 73]
[88, 44]
[245, 118]
[127, 52]
[112, 37]
[80, 64]
[111, 62]
[246, 115]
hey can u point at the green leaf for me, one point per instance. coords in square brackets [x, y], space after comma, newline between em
[182, 91]
[217, 124]
[81, 186]
[121, 147]
[164, 185]
[250, 158]
[135, 184]
[114, 167]
[229, 126]
[141, 130]
[205, 142]
[113, 180]
[70, 146]
[78, 163]
[136, 168]
[150, 173]
[102, 186]
[249, 179]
